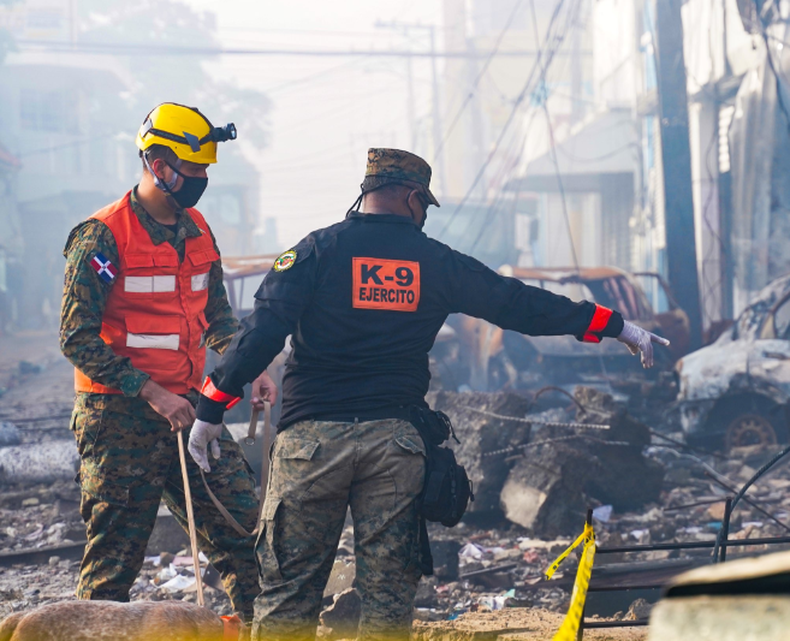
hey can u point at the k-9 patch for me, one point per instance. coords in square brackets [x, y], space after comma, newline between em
[104, 268]
[392, 285]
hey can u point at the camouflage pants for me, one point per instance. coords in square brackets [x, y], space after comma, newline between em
[129, 462]
[319, 468]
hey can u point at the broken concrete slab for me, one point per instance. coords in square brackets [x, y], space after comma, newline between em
[550, 486]
[479, 432]
[544, 491]
[721, 618]
[342, 617]
[39, 463]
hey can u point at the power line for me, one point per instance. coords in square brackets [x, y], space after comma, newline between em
[144, 49]
[493, 211]
[483, 71]
[514, 110]
[553, 147]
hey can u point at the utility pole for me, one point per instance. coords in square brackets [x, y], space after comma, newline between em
[437, 123]
[676, 159]
[410, 104]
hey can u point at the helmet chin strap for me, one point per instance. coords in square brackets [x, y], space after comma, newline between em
[165, 186]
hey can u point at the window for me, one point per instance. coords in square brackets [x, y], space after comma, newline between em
[50, 111]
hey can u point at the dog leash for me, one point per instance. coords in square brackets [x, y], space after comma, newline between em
[249, 440]
[190, 519]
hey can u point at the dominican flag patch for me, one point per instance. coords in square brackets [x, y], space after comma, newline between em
[104, 268]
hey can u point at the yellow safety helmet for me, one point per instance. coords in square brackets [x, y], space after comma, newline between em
[185, 130]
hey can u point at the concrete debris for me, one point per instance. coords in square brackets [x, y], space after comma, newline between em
[342, 617]
[639, 611]
[36, 463]
[9, 434]
[644, 489]
[551, 484]
[479, 433]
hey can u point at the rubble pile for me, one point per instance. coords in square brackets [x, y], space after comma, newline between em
[479, 432]
[539, 473]
[534, 481]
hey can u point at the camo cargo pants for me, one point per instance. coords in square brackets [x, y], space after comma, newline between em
[319, 468]
[129, 462]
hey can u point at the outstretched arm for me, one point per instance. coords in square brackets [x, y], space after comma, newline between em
[510, 304]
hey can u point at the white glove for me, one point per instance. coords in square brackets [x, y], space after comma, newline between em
[201, 435]
[637, 340]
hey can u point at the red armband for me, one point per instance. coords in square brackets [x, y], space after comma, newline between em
[209, 390]
[598, 323]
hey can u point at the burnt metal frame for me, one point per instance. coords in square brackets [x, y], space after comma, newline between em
[723, 544]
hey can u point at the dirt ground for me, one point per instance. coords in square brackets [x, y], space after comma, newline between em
[36, 382]
[515, 623]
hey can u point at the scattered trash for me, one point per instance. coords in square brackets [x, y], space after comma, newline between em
[178, 583]
[487, 564]
[603, 513]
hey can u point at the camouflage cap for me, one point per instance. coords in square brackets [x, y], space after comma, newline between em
[397, 166]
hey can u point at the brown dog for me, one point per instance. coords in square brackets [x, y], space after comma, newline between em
[111, 621]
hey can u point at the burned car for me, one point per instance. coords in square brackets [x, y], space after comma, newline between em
[484, 357]
[736, 392]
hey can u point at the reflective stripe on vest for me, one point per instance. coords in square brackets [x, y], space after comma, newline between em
[155, 310]
[149, 284]
[152, 341]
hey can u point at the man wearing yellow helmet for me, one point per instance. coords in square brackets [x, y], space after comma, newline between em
[143, 298]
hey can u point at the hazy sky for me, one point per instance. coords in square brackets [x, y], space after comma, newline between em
[326, 110]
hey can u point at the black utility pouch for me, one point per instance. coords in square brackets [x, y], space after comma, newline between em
[447, 489]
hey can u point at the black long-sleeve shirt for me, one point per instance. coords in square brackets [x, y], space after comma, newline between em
[363, 301]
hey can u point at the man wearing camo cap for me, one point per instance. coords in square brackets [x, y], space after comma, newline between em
[363, 301]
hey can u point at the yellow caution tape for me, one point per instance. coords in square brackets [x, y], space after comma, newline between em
[570, 626]
[588, 532]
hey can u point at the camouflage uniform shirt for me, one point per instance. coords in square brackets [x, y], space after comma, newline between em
[85, 296]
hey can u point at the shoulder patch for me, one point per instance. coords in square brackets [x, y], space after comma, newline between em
[104, 268]
[285, 261]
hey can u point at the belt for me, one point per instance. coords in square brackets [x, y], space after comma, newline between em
[401, 412]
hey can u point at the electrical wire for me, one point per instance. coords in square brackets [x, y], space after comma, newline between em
[494, 209]
[493, 212]
[553, 148]
[519, 99]
[143, 49]
[477, 80]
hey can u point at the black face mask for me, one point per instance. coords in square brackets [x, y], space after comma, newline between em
[192, 189]
[425, 204]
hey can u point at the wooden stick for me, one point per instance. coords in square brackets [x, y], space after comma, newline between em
[191, 519]
[267, 440]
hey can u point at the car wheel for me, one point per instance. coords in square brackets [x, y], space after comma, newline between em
[749, 429]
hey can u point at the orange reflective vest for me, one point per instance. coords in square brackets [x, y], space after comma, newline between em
[155, 312]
